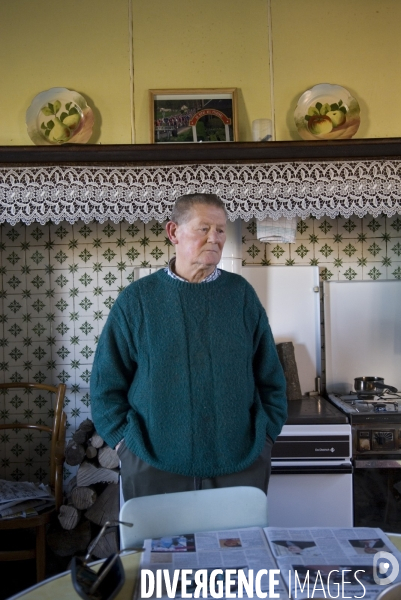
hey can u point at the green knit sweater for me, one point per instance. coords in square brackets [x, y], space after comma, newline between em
[188, 374]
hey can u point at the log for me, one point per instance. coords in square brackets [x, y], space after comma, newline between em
[96, 441]
[68, 543]
[68, 516]
[97, 465]
[108, 457]
[87, 426]
[88, 474]
[106, 507]
[83, 497]
[83, 432]
[108, 544]
[80, 437]
[286, 354]
[74, 453]
[91, 452]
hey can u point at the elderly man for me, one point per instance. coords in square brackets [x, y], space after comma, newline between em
[186, 381]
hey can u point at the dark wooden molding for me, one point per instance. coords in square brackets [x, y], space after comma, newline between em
[232, 152]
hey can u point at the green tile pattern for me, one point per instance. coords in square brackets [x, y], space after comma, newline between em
[355, 248]
[58, 283]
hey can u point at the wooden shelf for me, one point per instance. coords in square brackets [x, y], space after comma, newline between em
[232, 152]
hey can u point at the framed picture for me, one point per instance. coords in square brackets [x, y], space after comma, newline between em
[198, 115]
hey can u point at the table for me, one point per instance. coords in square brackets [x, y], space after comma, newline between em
[61, 587]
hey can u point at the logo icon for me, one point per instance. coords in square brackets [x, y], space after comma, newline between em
[382, 574]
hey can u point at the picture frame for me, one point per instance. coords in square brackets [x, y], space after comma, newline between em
[193, 115]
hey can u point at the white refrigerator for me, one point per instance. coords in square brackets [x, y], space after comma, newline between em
[291, 298]
[308, 487]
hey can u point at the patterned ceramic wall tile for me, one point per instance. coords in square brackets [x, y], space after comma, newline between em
[344, 249]
[58, 283]
[350, 228]
[326, 228]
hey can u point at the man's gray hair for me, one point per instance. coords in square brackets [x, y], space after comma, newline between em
[184, 204]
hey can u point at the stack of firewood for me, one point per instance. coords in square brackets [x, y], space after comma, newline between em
[92, 497]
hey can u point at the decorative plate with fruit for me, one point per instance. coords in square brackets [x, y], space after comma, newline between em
[58, 116]
[327, 112]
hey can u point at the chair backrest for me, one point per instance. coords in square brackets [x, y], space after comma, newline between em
[192, 512]
[56, 431]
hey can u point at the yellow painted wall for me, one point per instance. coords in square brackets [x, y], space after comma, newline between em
[352, 43]
[82, 45]
[213, 43]
[85, 46]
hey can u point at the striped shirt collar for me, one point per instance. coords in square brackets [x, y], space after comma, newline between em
[169, 269]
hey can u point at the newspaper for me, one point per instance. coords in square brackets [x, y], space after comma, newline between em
[30, 508]
[343, 561]
[270, 563]
[24, 496]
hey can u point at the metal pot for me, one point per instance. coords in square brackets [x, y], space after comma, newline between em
[372, 385]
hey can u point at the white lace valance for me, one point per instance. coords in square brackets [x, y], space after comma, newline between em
[303, 189]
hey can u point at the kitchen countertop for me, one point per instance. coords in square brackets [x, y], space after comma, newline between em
[313, 410]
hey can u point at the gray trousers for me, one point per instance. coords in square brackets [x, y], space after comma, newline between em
[141, 479]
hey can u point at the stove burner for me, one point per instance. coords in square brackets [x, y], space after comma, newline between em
[379, 406]
[388, 405]
[383, 396]
[371, 398]
[354, 403]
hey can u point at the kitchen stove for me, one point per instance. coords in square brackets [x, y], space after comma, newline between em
[375, 422]
[376, 457]
[363, 407]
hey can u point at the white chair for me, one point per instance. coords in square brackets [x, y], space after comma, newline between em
[192, 512]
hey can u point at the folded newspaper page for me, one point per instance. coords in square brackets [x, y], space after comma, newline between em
[14, 493]
[30, 508]
[269, 563]
[355, 563]
[218, 561]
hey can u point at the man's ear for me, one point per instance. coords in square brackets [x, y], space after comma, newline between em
[171, 229]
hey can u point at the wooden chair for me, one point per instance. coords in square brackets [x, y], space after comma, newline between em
[39, 522]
